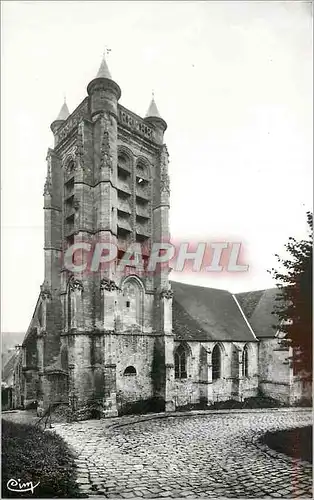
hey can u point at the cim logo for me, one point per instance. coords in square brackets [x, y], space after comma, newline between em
[17, 486]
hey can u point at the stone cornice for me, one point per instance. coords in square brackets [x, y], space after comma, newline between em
[99, 332]
[53, 208]
[161, 205]
[138, 140]
[55, 371]
[53, 248]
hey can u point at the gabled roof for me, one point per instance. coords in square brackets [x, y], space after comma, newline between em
[207, 314]
[258, 307]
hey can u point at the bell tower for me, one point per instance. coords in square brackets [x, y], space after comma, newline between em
[110, 326]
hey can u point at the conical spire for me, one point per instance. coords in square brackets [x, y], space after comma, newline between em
[153, 117]
[64, 112]
[152, 111]
[103, 71]
[107, 83]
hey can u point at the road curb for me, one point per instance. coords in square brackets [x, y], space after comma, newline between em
[133, 419]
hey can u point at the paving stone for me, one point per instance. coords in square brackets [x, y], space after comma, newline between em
[191, 456]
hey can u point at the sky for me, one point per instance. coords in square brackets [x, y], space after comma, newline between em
[233, 80]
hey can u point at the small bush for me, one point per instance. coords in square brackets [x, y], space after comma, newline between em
[153, 405]
[32, 405]
[202, 405]
[249, 404]
[91, 411]
[262, 402]
[232, 404]
[29, 454]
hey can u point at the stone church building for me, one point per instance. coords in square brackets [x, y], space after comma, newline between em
[116, 338]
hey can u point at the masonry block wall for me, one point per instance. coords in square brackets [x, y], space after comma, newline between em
[232, 383]
[136, 351]
[18, 381]
[275, 370]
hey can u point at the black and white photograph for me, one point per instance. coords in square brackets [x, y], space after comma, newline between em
[156, 249]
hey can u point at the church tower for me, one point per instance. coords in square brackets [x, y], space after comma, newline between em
[107, 330]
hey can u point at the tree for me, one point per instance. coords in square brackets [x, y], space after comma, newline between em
[294, 307]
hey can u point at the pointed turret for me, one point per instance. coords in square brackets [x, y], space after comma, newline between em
[64, 112]
[103, 71]
[103, 90]
[62, 116]
[152, 111]
[153, 117]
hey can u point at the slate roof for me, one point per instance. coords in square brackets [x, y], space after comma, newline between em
[258, 307]
[207, 314]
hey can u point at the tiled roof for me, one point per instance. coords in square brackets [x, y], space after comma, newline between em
[205, 314]
[258, 307]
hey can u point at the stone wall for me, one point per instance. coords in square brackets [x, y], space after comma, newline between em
[134, 351]
[18, 381]
[81, 379]
[199, 385]
[275, 372]
[300, 390]
[89, 374]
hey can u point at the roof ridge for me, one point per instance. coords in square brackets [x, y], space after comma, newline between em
[201, 286]
[260, 290]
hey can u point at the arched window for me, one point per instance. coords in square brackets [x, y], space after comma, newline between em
[64, 357]
[129, 371]
[132, 293]
[40, 314]
[69, 309]
[245, 362]
[142, 173]
[142, 169]
[216, 362]
[124, 164]
[180, 362]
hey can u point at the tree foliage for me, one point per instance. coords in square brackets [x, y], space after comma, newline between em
[294, 307]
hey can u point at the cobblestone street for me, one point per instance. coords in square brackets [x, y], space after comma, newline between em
[204, 455]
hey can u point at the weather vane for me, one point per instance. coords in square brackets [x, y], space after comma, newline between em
[107, 50]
